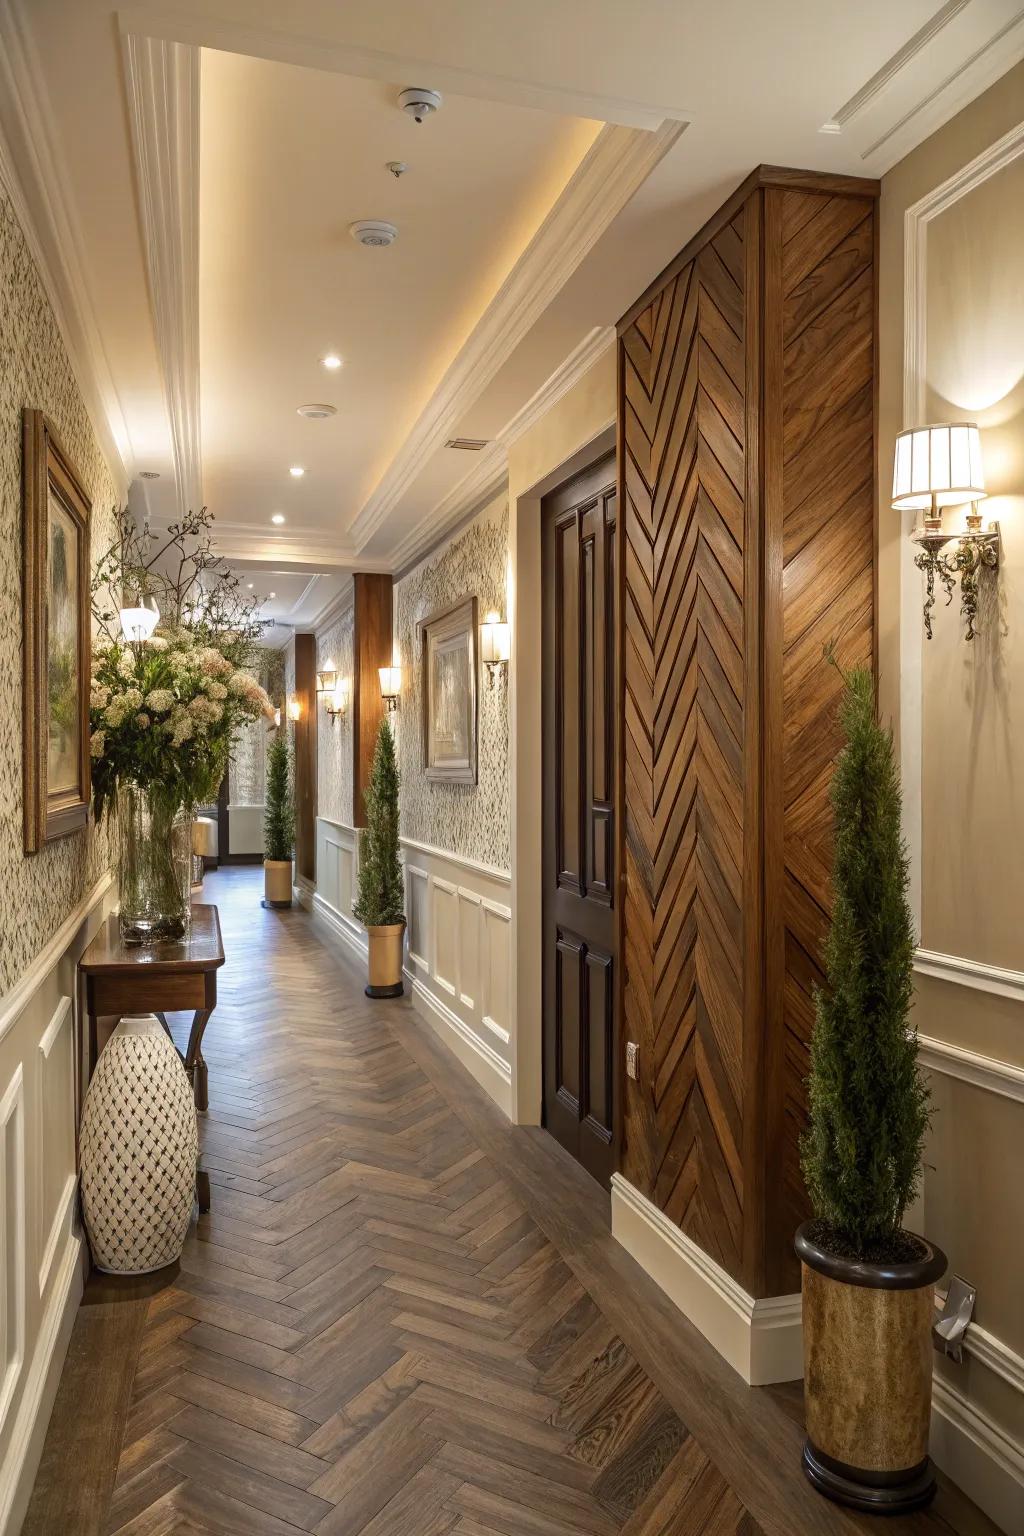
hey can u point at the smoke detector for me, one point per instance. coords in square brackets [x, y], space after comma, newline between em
[373, 232]
[317, 412]
[419, 103]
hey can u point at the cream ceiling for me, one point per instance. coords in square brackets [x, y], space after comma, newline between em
[191, 173]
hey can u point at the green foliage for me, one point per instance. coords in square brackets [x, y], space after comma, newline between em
[279, 816]
[869, 1102]
[381, 890]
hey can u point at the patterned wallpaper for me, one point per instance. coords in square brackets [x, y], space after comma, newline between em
[472, 820]
[334, 650]
[37, 892]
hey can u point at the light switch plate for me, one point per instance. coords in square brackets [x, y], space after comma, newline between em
[632, 1058]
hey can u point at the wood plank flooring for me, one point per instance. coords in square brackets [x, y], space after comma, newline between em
[403, 1317]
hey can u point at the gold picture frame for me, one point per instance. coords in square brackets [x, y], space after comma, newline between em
[56, 630]
[448, 641]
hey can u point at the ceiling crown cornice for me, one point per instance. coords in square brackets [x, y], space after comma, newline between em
[162, 81]
[33, 174]
[615, 167]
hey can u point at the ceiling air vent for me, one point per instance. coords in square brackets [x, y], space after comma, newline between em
[468, 444]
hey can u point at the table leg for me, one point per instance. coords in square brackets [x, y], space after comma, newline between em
[203, 1190]
[93, 1040]
[195, 1066]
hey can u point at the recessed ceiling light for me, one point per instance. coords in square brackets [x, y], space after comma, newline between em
[273, 594]
[249, 585]
[332, 360]
[278, 517]
[316, 413]
[296, 471]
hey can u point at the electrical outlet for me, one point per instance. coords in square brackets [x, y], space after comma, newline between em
[632, 1059]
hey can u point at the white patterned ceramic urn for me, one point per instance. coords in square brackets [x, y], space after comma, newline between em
[138, 1149]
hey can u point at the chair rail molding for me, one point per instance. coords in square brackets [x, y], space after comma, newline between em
[970, 973]
[987, 1072]
[162, 84]
[916, 220]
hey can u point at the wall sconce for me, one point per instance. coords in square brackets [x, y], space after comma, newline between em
[337, 701]
[326, 682]
[495, 645]
[294, 709]
[937, 467]
[390, 686]
[277, 718]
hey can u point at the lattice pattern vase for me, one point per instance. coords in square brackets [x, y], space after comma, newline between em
[138, 1149]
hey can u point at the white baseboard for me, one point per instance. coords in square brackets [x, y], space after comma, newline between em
[351, 934]
[979, 1456]
[760, 1338]
[492, 1073]
[18, 1473]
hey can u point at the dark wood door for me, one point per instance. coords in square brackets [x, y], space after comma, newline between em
[579, 756]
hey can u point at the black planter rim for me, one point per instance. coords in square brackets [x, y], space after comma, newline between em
[909, 1276]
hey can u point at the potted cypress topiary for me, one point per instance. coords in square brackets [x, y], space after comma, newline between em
[278, 826]
[381, 903]
[868, 1285]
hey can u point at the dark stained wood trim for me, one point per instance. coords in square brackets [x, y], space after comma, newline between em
[762, 176]
[372, 648]
[304, 767]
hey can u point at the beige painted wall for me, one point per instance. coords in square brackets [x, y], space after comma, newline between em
[972, 704]
[536, 463]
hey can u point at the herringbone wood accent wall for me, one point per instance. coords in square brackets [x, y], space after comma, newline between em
[746, 465]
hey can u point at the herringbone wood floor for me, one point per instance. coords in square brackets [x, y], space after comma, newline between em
[370, 1333]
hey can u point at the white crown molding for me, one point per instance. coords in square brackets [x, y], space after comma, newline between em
[616, 165]
[264, 545]
[490, 471]
[39, 189]
[987, 1072]
[974, 74]
[162, 84]
[336, 608]
[323, 53]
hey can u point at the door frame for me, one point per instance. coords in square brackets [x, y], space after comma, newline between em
[525, 731]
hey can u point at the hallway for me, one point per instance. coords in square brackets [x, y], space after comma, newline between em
[402, 1316]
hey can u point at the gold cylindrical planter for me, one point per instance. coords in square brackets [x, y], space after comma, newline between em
[277, 882]
[385, 960]
[868, 1376]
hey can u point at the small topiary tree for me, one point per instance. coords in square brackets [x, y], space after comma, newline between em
[381, 901]
[279, 816]
[869, 1102]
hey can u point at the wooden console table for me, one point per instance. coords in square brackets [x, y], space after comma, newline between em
[159, 978]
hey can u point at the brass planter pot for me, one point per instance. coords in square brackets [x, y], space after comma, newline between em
[385, 960]
[868, 1377]
[277, 882]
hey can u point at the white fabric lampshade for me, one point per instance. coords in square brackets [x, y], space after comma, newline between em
[390, 682]
[940, 462]
[494, 640]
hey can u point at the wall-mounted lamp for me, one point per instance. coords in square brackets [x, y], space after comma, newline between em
[390, 686]
[336, 702]
[326, 681]
[937, 467]
[495, 645]
[277, 718]
[294, 709]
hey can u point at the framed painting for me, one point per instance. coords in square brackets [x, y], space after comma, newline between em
[55, 637]
[448, 641]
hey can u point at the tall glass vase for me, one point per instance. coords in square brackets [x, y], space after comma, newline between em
[154, 865]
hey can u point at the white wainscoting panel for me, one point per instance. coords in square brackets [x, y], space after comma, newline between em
[42, 1250]
[337, 863]
[459, 959]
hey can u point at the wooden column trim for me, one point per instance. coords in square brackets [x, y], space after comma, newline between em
[371, 648]
[305, 757]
